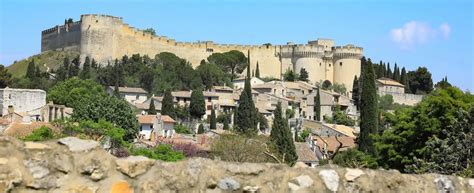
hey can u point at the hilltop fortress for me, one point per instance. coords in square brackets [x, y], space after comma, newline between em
[106, 38]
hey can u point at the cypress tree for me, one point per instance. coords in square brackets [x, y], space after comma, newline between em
[197, 107]
[246, 115]
[281, 136]
[151, 109]
[389, 71]
[116, 91]
[86, 69]
[167, 107]
[257, 71]
[404, 79]
[37, 72]
[75, 67]
[212, 122]
[368, 109]
[201, 129]
[226, 124]
[317, 106]
[384, 69]
[30, 71]
[94, 64]
[355, 91]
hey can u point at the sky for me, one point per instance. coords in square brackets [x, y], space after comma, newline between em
[435, 34]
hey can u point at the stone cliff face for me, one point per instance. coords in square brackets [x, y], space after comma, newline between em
[74, 165]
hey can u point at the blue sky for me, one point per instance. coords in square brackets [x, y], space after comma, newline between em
[436, 34]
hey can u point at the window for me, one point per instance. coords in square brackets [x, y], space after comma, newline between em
[320, 64]
[208, 99]
[137, 97]
[329, 64]
[340, 63]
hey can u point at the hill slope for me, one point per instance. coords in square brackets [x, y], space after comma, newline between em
[49, 59]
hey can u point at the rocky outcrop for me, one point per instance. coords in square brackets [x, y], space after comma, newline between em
[74, 165]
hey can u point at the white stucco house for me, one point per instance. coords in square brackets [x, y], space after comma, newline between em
[130, 94]
[240, 82]
[156, 126]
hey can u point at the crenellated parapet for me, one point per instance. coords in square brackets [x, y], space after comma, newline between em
[347, 51]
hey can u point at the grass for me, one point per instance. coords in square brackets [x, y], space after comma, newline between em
[51, 59]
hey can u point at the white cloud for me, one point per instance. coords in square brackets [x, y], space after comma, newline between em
[416, 32]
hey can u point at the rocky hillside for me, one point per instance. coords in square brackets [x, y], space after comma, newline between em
[74, 165]
[46, 60]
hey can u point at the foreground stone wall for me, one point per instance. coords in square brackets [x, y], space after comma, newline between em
[73, 165]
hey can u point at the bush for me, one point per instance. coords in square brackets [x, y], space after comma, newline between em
[161, 152]
[41, 134]
[201, 129]
[237, 148]
[354, 158]
[179, 128]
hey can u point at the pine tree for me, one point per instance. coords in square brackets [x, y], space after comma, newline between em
[368, 109]
[212, 121]
[86, 69]
[94, 64]
[197, 107]
[30, 71]
[246, 116]
[257, 71]
[282, 138]
[355, 91]
[151, 109]
[74, 68]
[37, 72]
[167, 107]
[404, 79]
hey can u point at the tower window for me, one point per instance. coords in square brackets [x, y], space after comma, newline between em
[329, 64]
[320, 64]
[340, 63]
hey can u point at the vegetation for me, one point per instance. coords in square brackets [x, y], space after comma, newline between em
[354, 158]
[303, 75]
[151, 108]
[433, 136]
[356, 92]
[231, 62]
[150, 31]
[197, 107]
[317, 106]
[161, 152]
[179, 128]
[167, 105]
[368, 109]
[246, 115]
[238, 148]
[257, 71]
[41, 134]
[340, 117]
[213, 121]
[5, 77]
[282, 137]
[201, 129]
[290, 75]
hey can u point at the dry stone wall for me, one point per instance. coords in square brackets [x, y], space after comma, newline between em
[72, 165]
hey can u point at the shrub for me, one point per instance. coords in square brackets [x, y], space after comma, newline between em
[161, 152]
[179, 128]
[237, 148]
[41, 134]
[354, 158]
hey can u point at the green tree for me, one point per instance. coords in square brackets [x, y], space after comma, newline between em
[232, 62]
[420, 81]
[341, 118]
[31, 70]
[404, 80]
[150, 31]
[289, 75]
[443, 83]
[75, 67]
[433, 136]
[167, 106]
[86, 69]
[368, 109]
[161, 152]
[355, 91]
[385, 102]
[317, 106]
[201, 129]
[246, 115]
[257, 71]
[327, 85]
[197, 107]
[109, 108]
[303, 75]
[73, 90]
[282, 137]
[151, 109]
[147, 80]
[212, 75]
[5, 77]
[212, 121]
[339, 88]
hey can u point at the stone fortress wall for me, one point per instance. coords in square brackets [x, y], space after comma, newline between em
[106, 38]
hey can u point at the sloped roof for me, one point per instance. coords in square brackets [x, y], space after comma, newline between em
[332, 143]
[130, 89]
[167, 119]
[146, 119]
[388, 81]
[304, 153]
[345, 130]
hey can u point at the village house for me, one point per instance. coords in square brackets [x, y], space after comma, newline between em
[329, 101]
[26, 103]
[240, 82]
[153, 127]
[388, 85]
[324, 147]
[130, 94]
[306, 155]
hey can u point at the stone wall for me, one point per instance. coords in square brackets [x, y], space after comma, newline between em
[73, 165]
[23, 101]
[403, 98]
[106, 38]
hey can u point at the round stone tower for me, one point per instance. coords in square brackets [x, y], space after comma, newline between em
[346, 64]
